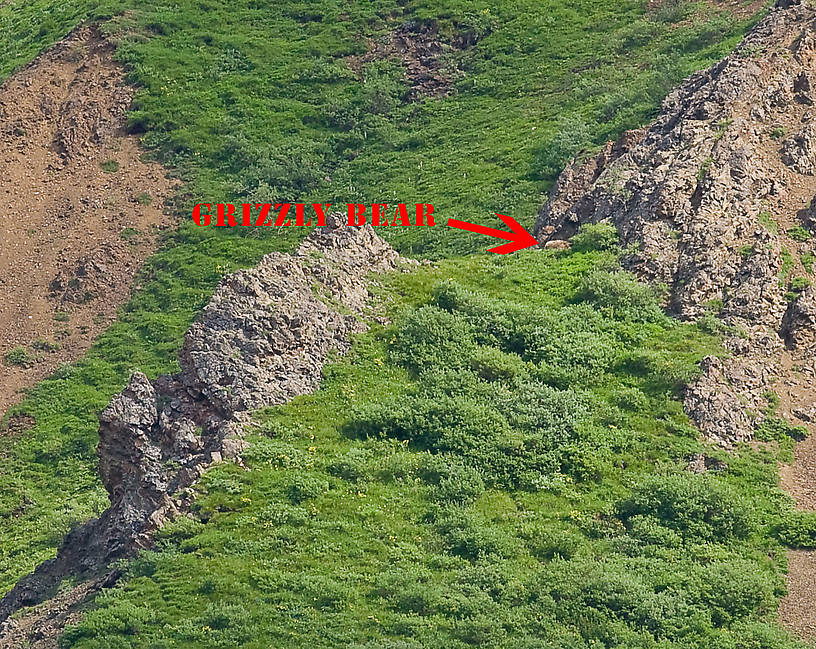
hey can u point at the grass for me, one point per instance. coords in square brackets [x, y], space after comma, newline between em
[457, 483]
[299, 550]
[766, 219]
[799, 234]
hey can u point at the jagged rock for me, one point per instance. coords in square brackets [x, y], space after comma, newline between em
[799, 325]
[266, 332]
[261, 340]
[721, 401]
[799, 151]
[687, 190]
[694, 196]
[806, 414]
[702, 463]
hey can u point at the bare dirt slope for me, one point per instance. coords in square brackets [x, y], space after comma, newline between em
[80, 209]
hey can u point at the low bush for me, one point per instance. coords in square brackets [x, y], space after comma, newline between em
[19, 357]
[620, 295]
[595, 236]
[695, 506]
[797, 529]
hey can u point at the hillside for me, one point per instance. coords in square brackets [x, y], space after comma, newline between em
[574, 447]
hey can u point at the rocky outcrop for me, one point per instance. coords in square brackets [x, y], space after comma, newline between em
[698, 186]
[703, 199]
[262, 339]
[799, 324]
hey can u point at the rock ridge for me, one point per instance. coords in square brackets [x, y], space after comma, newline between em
[261, 340]
[707, 200]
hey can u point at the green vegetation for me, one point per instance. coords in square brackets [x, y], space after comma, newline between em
[788, 264]
[144, 198]
[20, 357]
[511, 474]
[807, 261]
[767, 220]
[722, 127]
[130, 234]
[797, 530]
[746, 251]
[110, 166]
[799, 234]
[266, 106]
[702, 174]
[43, 345]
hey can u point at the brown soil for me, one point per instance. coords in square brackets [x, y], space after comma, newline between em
[799, 479]
[72, 235]
[41, 627]
[430, 69]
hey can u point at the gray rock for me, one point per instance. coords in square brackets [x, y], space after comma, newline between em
[799, 151]
[262, 339]
[690, 193]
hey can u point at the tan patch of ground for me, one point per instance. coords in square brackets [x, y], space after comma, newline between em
[72, 235]
[798, 391]
[41, 627]
[798, 613]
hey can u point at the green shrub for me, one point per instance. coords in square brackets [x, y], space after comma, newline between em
[469, 535]
[546, 543]
[736, 590]
[222, 616]
[807, 259]
[303, 488]
[354, 465]
[596, 236]
[766, 219]
[648, 529]
[42, 345]
[492, 364]
[620, 295]
[797, 529]
[436, 424]
[778, 429]
[570, 138]
[696, 506]
[493, 322]
[799, 234]
[665, 372]
[588, 355]
[19, 357]
[450, 479]
[432, 338]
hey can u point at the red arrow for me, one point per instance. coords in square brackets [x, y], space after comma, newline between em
[519, 238]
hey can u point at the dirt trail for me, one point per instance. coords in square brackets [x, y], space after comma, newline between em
[797, 397]
[81, 210]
